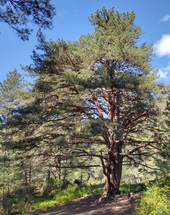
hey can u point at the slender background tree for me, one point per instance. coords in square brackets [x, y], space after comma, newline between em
[11, 92]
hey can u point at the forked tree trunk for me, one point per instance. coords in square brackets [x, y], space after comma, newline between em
[113, 174]
[113, 170]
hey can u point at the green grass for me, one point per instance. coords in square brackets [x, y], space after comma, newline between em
[74, 192]
[63, 196]
[152, 192]
[58, 196]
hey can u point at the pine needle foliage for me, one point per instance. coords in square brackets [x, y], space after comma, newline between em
[98, 91]
[18, 13]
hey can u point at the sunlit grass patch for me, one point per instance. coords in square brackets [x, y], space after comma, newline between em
[74, 191]
[63, 196]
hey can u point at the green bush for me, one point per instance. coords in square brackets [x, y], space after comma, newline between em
[51, 184]
[131, 188]
[156, 198]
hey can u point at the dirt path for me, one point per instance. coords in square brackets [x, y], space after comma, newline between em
[89, 205]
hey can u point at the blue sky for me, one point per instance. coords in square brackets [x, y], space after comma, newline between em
[71, 21]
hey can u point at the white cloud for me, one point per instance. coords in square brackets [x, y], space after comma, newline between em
[162, 46]
[165, 18]
[162, 74]
[167, 68]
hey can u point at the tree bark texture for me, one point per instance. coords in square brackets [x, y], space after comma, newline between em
[113, 174]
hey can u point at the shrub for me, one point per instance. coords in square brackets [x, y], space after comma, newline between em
[51, 184]
[156, 198]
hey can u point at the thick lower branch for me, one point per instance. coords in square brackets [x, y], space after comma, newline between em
[78, 166]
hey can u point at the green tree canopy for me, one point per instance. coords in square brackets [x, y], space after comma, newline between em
[98, 91]
[18, 13]
[10, 91]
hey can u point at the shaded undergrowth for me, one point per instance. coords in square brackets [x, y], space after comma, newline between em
[73, 191]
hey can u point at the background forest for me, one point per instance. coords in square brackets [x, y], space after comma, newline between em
[95, 119]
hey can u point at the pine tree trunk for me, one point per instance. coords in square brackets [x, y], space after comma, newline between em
[113, 175]
[58, 169]
[2, 200]
[114, 158]
[30, 184]
[81, 176]
[59, 173]
[9, 200]
[26, 185]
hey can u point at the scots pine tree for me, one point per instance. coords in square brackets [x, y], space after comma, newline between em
[163, 161]
[94, 98]
[11, 91]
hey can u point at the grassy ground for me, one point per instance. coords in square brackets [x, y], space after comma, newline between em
[155, 198]
[74, 191]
